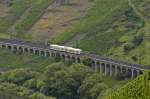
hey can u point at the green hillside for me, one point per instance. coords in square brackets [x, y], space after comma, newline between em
[134, 47]
[21, 15]
[10, 60]
[118, 29]
[104, 24]
[137, 89]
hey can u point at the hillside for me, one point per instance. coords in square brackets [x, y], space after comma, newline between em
[119, 29]
[136, 89]
[93, 32]
[135, 47]
[18, 17]
[57, 19]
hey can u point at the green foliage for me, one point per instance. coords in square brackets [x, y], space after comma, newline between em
[9, 59]
[85, 61]
[31, 16]
[136, 89]
[18, 76]
[99, 25]
[91, 87]
[30, 84]
[17, 8]
[58, 80]
[64, 82]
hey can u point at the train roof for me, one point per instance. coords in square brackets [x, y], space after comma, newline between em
[54, 45]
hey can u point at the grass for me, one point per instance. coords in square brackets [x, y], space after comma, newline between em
[57, 19]
[30, 17]
[95, 26]
[138, 54]
[11, 60]
[15, 10]
[136, 89]
[3, 10]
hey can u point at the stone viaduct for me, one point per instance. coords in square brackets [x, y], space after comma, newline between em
[98, 63]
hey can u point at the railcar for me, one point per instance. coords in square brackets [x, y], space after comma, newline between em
[66, 49]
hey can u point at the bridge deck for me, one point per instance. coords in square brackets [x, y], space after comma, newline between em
[91, 55]
[119, 62]
[25, 43]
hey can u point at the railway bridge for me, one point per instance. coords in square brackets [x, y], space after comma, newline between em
[103, 65]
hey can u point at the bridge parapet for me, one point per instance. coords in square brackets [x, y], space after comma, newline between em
[104, 65]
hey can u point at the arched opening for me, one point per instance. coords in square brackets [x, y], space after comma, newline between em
[141, 72]
[93, 65]
[48, 54]
[15, 49]
[113, 69]
[124, 70]
[37, 52]
[31, 51]
[98, 66]
[69, 59]
[63, 57]
[3, 46]
[119, 70]
[128, 73]
[103, 67]
[135, 74]
[78, 60]
[107, 71]
[58, 55]
[20, 50]
[26, 50]
[73, 59]
[9, 47]
[42, 53]
[53, 54]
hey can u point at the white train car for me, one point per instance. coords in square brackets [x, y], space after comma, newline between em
[66, 49]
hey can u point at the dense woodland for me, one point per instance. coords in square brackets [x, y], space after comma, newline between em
[58, 80]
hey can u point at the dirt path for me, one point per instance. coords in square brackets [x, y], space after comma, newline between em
[3, 10]
[59, 18]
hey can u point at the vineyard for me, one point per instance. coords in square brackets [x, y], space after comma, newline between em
[32, 15]
[137, 89]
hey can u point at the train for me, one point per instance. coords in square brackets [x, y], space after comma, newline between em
[66, 49]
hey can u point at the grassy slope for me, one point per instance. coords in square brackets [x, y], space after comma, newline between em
[138, 54]
[30, 17]
[95, 26]
[11, 60]
[136, 89]
[109, 27]
[59, 18]
[21, 15]
[15, 10]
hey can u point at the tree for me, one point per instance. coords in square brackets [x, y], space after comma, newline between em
[87, 89]
[31, 84]
[85, 61]
[98, 88]
[19, 76]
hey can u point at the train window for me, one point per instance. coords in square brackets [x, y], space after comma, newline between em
[77, 52]
[66, 49]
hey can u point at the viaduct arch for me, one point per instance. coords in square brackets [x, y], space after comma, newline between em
[98, 63]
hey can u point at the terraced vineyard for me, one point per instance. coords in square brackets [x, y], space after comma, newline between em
[58, 19]
[137, 89]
